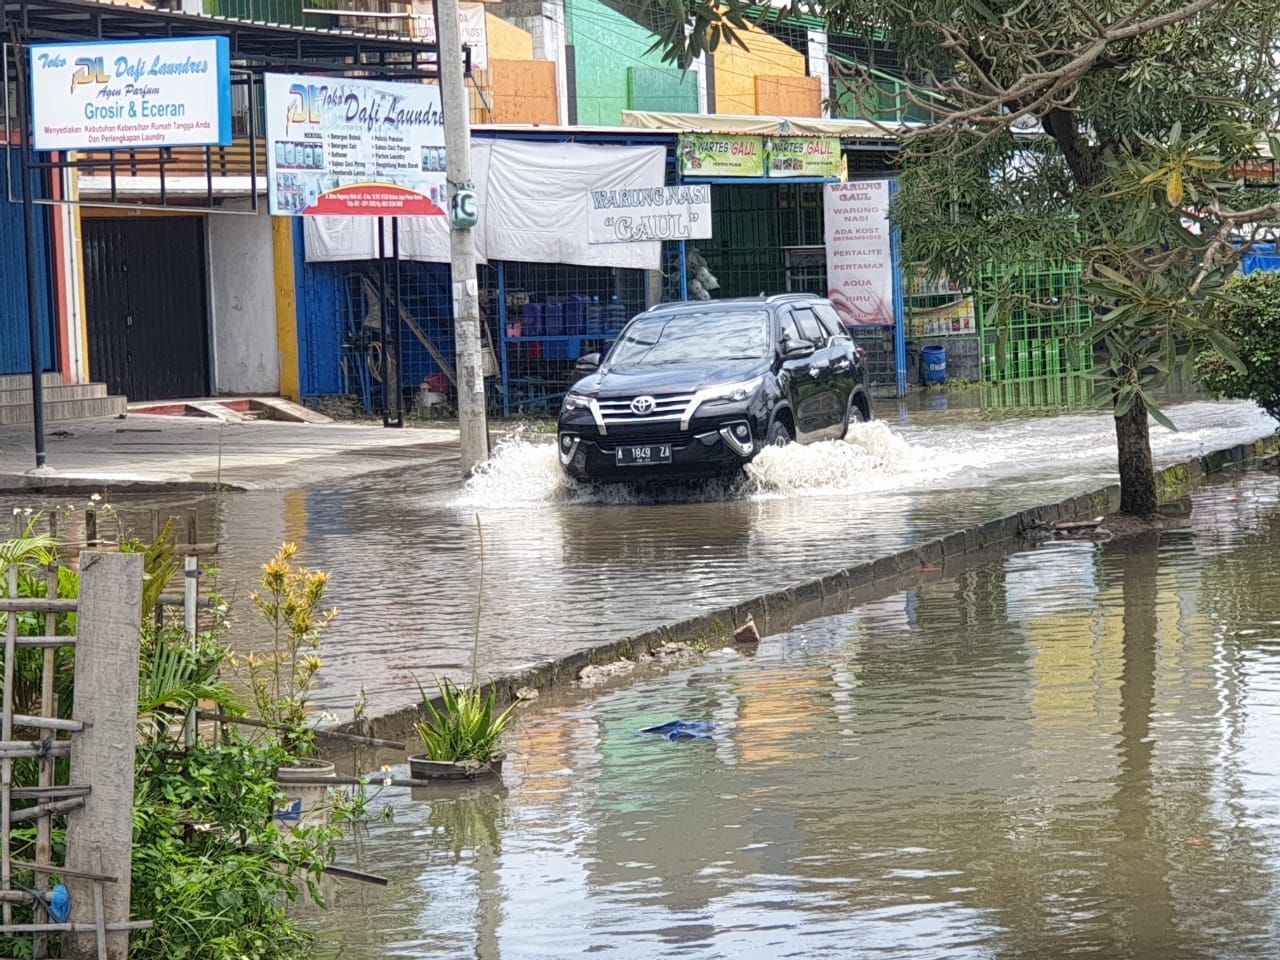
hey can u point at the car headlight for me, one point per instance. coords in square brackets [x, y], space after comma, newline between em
[575, 401]
[733, 392]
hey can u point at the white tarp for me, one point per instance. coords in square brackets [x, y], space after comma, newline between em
[534, 207]
[539, 201]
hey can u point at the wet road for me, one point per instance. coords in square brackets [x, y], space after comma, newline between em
[567, 567]
[1070, 752]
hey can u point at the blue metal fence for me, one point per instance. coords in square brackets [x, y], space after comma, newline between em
[15, 351]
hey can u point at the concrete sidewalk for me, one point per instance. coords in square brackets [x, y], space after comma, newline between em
[159, 453]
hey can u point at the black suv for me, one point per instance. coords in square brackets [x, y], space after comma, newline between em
[698, 389]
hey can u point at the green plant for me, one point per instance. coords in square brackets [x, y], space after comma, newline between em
[210, 867]
[290, 599]
[176, 672]
[466, 726]
[1249, 315]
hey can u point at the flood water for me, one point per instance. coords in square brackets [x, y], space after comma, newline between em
[1070, 752]
[567, 567]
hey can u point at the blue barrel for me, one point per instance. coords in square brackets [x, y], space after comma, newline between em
[533, 314]
[934, 359]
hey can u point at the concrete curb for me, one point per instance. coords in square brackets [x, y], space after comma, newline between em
[836, 592]
[20, 483]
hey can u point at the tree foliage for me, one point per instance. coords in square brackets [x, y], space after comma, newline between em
[1105, 132]
[1250, 318]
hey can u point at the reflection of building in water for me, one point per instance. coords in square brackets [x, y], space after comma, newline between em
[780, 710]
[542, 753]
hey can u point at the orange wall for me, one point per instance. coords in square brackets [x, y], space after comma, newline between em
[737, 72]
[524, 91]
[789, 96]
[516, 88]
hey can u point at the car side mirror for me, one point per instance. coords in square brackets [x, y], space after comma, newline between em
[797, 349]
[588, 364]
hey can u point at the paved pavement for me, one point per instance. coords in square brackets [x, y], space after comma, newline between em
[142, 452]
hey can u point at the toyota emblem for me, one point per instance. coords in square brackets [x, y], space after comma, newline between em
[642, 405]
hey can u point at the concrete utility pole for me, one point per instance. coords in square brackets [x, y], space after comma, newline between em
[472, 424]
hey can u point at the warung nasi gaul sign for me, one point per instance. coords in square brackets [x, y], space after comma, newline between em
[859, 240]
[133, 93]
[634, 214]
[346, 147]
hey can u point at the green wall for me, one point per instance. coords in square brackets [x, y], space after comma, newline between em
[614, 70]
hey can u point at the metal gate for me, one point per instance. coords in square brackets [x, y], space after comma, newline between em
[147, 305]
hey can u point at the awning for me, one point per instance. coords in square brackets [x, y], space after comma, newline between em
[764, 126]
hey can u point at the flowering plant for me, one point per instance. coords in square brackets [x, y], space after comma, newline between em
[290, 599]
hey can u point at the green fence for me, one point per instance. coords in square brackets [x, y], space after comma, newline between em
[1034, 322]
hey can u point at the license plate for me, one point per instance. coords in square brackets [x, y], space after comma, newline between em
[644, 456]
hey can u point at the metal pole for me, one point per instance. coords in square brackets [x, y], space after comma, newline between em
[29, 227]
[384, 319]
[473, 428]
[396, 306]
[190, 598]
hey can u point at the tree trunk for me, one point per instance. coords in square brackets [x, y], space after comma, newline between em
[1137, 469]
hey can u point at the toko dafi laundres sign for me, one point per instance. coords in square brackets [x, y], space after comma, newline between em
[133, 93]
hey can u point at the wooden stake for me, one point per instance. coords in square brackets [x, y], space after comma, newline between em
[99, 836]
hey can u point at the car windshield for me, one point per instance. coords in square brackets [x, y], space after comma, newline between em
[693, 338]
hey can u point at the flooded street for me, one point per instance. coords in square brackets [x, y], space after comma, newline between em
[567, 567]
[1068, 752]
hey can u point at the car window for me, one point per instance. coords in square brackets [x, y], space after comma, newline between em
[830, 320]
[810, 329]
[790, 331]
[692, 336]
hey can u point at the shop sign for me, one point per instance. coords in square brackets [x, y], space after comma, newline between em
[804, 157]
[633, 214]
[471, 22]
[132, 93]
[343, 147]
[721, 155]
[859, 251]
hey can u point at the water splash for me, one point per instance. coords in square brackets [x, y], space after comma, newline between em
[520, 471]
[872, 456]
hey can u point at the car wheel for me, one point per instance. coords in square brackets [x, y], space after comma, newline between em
[779, 434]
[855, 412]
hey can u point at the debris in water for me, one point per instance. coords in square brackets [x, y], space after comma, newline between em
[679, 731]
[747, 633]
[597, 673]
[526, 693]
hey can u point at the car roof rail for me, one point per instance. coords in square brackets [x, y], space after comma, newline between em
[778, 297]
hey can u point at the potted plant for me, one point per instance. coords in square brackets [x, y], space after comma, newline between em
[290, 599]
[460, 736]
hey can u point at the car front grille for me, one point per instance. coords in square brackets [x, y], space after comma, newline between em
[617, 411]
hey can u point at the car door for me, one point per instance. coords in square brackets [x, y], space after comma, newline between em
[846, 371]
[826, 413]
[805, 388]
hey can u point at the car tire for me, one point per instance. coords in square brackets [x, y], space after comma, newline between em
[855, 414]
[780, 434]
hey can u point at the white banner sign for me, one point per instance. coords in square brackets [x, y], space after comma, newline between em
[633, 214]
[341, 147]
[471, 21]
[859, 251]
[133, 93]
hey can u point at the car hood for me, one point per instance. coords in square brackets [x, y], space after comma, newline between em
[672, 378]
